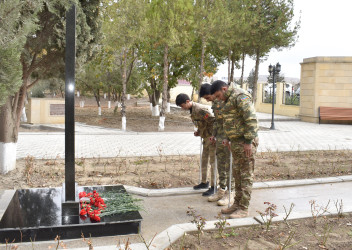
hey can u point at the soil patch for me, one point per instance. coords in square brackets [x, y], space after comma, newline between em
[172, 171]
[138, 115]
[323, 232]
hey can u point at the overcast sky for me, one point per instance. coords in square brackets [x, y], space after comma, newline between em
[325, 31]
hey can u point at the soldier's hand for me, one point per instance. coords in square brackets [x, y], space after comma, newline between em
[247, 149]
[196, 133]
[212, 139]
[226, 143]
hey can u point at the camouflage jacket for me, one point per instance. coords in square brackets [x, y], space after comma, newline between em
[240, 119]
[203, 119]
[218, 127]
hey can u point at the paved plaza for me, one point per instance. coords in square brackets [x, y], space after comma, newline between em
[289, 135]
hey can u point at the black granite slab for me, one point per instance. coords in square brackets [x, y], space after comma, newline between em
[42, 214]
[70, 61]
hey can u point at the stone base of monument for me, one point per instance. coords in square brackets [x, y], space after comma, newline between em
[41, 214]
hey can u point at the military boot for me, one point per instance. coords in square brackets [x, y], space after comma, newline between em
[230, 210]
[219, 195]
[209, 192]
[239, 213]
[201, 185]
[225, 199]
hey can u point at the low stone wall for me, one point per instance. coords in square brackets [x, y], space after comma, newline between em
[325, 81]
[46, 111]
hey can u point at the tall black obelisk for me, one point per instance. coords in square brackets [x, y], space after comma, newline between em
[70, 55]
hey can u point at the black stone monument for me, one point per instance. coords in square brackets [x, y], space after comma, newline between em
[43, 213]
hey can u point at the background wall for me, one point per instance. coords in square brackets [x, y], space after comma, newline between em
[325, 81]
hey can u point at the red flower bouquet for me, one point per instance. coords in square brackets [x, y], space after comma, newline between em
[91, 205]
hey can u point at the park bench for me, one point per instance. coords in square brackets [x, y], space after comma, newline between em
[335, 114]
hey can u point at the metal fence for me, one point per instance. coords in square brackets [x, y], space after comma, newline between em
[267, 96]
[290, 96]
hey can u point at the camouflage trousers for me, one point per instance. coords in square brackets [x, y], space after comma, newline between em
[223, 163]
[243, 169]
[208, 152]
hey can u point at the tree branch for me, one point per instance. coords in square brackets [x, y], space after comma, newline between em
[15, 100]
[31, 84]
[32, 66]
[131, 67]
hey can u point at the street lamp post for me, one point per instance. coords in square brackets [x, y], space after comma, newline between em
[273, 70]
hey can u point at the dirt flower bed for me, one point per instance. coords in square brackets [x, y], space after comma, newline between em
[324, 232]
[172, 171]
[138, 118]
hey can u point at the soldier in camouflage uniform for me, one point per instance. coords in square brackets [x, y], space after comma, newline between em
[203, 119]
[241, 127]
[222, 152]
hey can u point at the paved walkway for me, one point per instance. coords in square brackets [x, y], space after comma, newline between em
[91, 141]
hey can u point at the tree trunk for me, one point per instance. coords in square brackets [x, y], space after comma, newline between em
[62, 92]
[168, 100]
[124, 90]
[8, 136]
[201, 73]
[165, 86]
[97, 97]
[255, 83]
[10, 118]
[124, 87]
[154, 97]
[242, 70]
[229, 66]
[232, 68]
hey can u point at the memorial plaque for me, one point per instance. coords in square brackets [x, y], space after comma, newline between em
[57, 109]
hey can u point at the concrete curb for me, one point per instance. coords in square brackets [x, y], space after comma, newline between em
[257, 185]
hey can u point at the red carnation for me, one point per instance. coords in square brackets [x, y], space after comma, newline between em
[83, 212]
[82, 194]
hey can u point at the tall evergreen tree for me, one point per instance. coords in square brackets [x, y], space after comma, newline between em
[18, 20]
[278, 78]
[203, 28]
[270, 28]
[169, 25]
[41, 54]
[124, 27]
